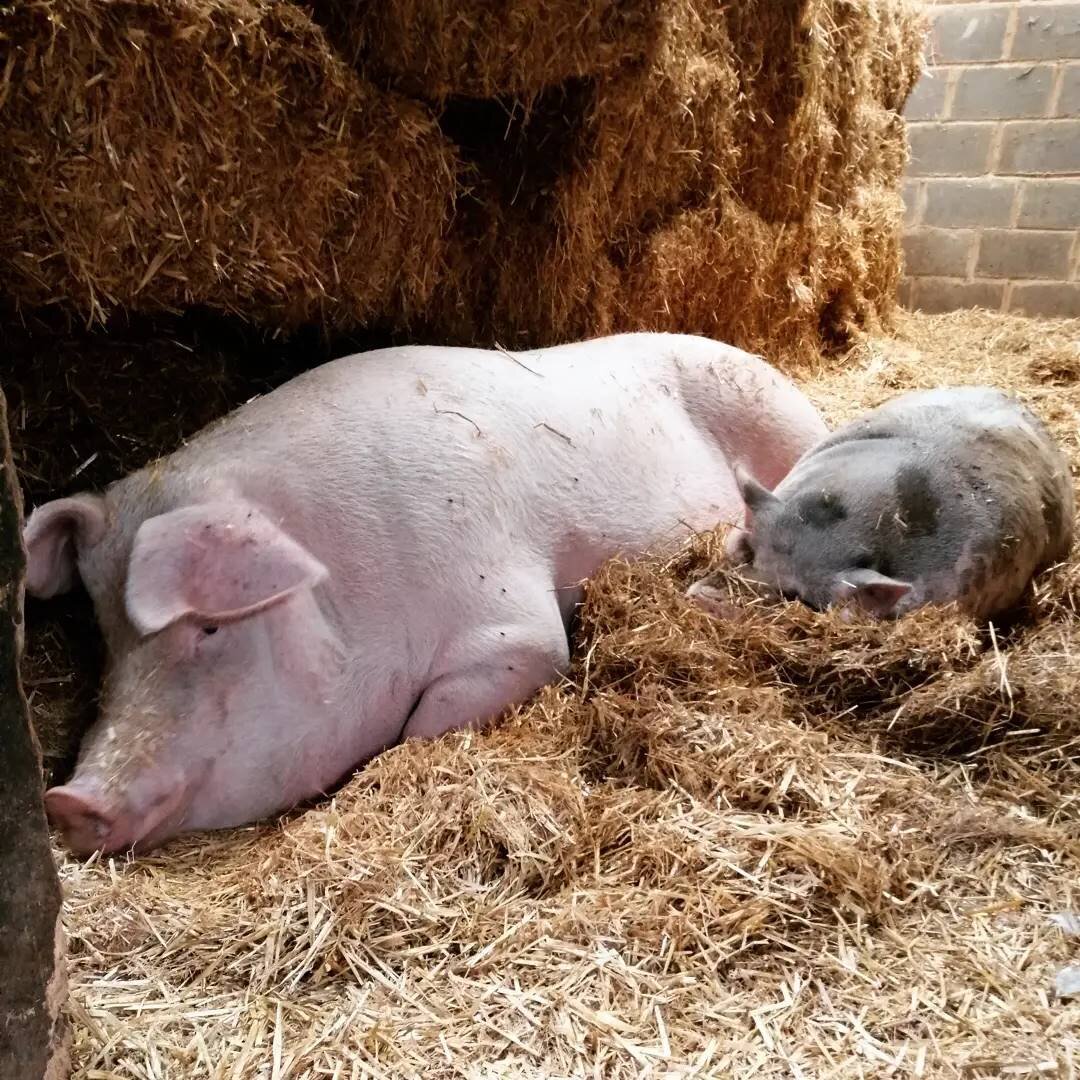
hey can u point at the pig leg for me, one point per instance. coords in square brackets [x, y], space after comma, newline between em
[711, 599]
[491, 668]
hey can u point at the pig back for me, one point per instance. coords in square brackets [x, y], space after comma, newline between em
[402, 466]
[1001, 452]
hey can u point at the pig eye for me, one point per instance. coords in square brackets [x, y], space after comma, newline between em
[209, 630]
[863, 562]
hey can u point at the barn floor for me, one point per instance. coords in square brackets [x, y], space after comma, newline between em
[782, 847]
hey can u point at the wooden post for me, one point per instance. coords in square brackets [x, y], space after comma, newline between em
[34, 1034]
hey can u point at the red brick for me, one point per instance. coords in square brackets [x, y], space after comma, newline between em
[957, 204]
[935, 295]
[1046, 298]
[1008, 253]
[1047, 32]
[1050, 204]
[949, 149]
[937, 252]
[1002, 91]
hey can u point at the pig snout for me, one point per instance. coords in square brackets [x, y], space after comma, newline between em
[92, 817]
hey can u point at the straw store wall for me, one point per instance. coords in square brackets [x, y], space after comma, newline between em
[992, 195]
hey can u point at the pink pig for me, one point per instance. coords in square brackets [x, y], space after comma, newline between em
[388, 546]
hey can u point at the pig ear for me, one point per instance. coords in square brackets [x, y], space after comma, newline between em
[217, 562]
[54, 533]
[755, 495]
[875, 593]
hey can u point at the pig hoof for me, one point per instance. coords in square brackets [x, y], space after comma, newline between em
[710, 599]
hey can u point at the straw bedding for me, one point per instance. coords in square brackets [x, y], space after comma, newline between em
[776, 845]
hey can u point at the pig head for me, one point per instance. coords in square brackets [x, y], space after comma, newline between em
[213, 613]
[827, 544]
[953, 495]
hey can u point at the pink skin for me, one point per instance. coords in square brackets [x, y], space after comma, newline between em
[387, 547]
[90, 822]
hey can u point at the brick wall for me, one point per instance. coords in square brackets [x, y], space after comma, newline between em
[992, 193]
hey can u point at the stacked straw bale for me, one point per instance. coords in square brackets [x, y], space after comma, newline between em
[529, 172]
[732, 172]
[480, 49]
[161, 154]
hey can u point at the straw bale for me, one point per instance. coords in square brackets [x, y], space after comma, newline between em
[159, 154]
[657, 137]
[741, 182]
[718, 168]
[816, 72]
[779, 289]
[438, 49]
[768, 845]
[777, 281]
[782, 105]
[775, 84]
[728, 251]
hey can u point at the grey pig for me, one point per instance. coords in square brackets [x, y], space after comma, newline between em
[954, 494]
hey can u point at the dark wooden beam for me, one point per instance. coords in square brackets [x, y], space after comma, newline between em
[34, 1034]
